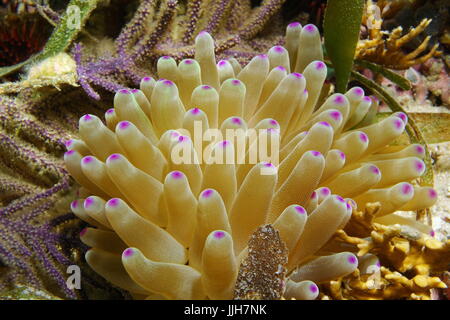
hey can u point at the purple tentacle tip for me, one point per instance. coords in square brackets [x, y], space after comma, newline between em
[222, 63]
[349, 207]
[110, 111]
[359, 92]
[280, 68]
[339, 99]
[420, 149]
[320, 65]
[325, 191]
[310, 28]
[342, 155]
[188, 61]
[432, 233]
[300, 209]
[174, 134]
[69, 153]
[313, 195]
[219, 234]
[340, 199]
[352, 259]
[237, 121]
[268, 165]
[224, 143]
[146, 79]
[324, 123]
[262, 56]
[128, 252]
[399, 124]
[367, 98]
[68, 143]
[313, 288]
[336, 115]
[183, 138]
[124, 91]
[294, 24]
[202, 33]
[176, 174]
[87, 159]
[316, 153]
[374, 169]
[364, 138]
[168, 83]
[297, 75]
[114, 202]
[235, 82]
[432, 193]
[134, 90]
[195, 111]
[206, 87]
[165, 57]
[278, 49]
[74, 204]
[83, 232]
[378, 264]
[124, 124]
[420, 165]
[113, 157]
[402, 116]
[273, 122]
[87, 117]
[407, 188]
[207, 193]
[88, 202]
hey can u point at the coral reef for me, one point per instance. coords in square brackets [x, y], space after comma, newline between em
[165, 213]
[411, 260]
[385, 48]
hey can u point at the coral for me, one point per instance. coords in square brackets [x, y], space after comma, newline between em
[411, 260]
[55, 71]
[169, 30]
[172, 219]
[385, 48]
[429, 84]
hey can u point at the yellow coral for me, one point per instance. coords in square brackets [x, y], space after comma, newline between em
[385, 48]
[399, 248]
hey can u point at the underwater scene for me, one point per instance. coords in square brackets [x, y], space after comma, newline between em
[224, 150]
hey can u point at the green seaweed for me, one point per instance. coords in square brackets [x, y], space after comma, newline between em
[71, 23]
[388, 74]
[342, 23]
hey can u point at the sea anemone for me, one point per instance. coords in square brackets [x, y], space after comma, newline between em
[165, 228]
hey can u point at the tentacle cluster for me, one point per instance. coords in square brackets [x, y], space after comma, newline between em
[164, 228]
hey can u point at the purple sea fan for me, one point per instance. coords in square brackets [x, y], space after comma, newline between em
[165, 228]
[36, 246]
[166, 30]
